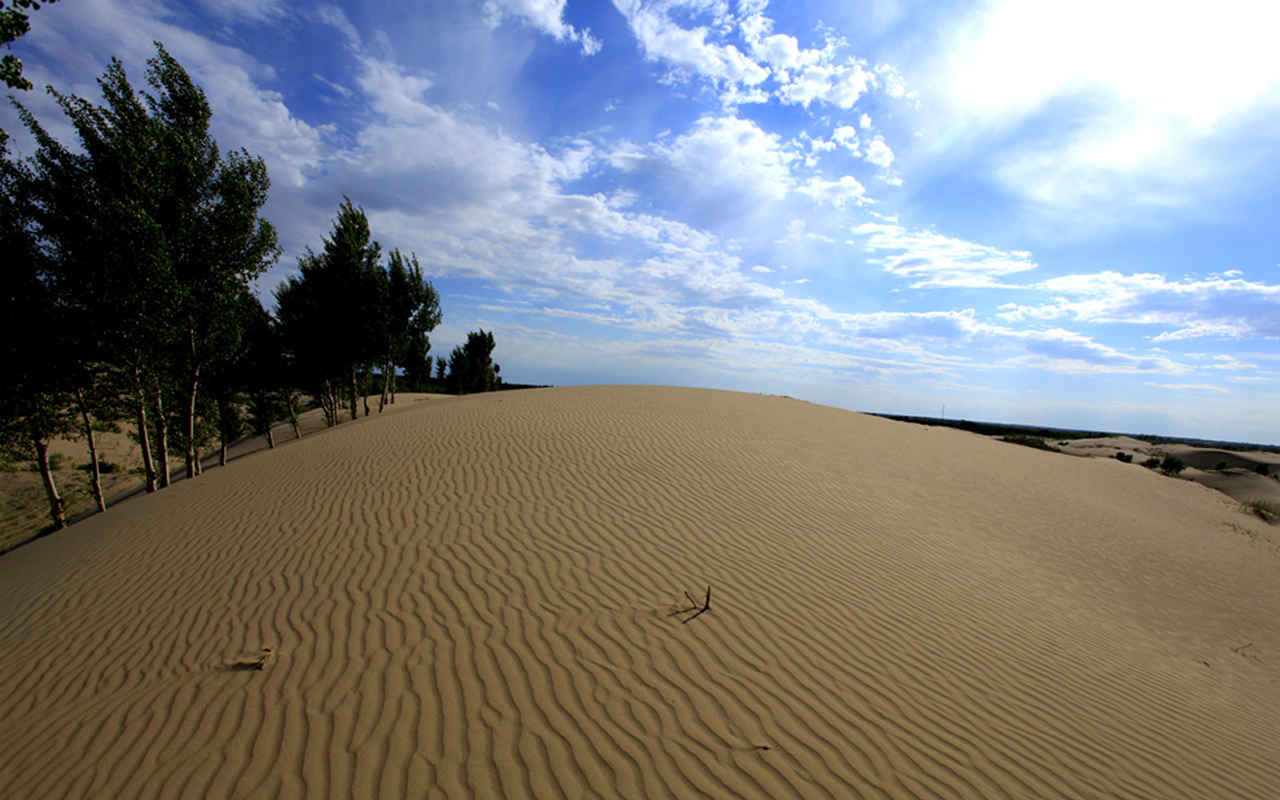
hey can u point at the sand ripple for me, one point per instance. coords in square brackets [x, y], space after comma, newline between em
[476, 597]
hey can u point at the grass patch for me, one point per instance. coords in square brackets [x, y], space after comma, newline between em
[1124, 457]
[1030, 441]
[105, 467]
[1265, 510]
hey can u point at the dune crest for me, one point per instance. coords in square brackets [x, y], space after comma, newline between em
[479, 597]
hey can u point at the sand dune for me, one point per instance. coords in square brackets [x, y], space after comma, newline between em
[477, 598]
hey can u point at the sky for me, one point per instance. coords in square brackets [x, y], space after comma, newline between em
[1043, 213]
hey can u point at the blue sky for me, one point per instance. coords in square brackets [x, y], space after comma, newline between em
[1030, 212]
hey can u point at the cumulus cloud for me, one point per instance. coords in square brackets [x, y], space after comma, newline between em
[723, 164]
[841, 192]
[544, 15]
[662, 38]
[794, 74]
[878, 153]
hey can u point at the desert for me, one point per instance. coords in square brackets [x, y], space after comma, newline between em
[497, 595]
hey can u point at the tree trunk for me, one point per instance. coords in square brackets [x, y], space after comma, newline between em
[364, 390]
[193, 468]
[144, 434]
[354, 415]
[222, 454]
[393, 383]
[95, 472]
[162, 437]
[271, 440]
[386, 386]
[57, 508]
[199, 468]
[293, 416]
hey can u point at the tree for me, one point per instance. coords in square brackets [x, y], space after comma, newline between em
[178, 226]
[207, 209]
[261, 370]
[111, 272]
[330, 313]
[33, 406]
[14, 24]
[411, 311]
[471, 368]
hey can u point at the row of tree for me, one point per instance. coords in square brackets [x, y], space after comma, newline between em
[129, 292]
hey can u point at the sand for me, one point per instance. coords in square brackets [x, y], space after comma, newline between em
[1238, 479]
[479, 597]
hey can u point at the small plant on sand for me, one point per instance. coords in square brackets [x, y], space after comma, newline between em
[1266, 510]
[1261, 469]
[56, 462]
[1124, 457]
[1172, 465]
[1221, 466]
[105, 467]
[1151, 463]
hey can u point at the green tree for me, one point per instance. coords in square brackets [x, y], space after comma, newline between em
[156, 235]
[412, 311]
[330, 313]
[111, 269]
[34, 403]
[14, 24]
[471, 367]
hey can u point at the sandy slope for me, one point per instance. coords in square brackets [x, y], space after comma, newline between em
[475, 597]
[24, 509]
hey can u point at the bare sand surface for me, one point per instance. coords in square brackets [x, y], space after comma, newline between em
[478, 598]
[24, 509]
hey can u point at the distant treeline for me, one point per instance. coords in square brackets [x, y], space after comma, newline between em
[1007, 429]
[130, 267]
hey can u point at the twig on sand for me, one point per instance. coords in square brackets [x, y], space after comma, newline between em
[252, 664]
[706, 606]
[1241, 652]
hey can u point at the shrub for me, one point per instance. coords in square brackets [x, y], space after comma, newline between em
[1124, 457]
[1266, 510]
[105, 467]
[1172, 465]
[1151, 463]
[1220, 466]
[1261, 469]
[56, 461]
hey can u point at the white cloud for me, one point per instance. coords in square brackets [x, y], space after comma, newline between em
[839, 85]
[662, 38]
[336, 18]
[931, 259]
[724, 159]
[838, 193]
[1143, 94]
[545, 15]
[1215, 306]
[878, 153]
[847, 137]
[240, 10]
[1191, 387]
[864, 122]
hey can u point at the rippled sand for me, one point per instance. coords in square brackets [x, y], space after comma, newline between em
[483, 597]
